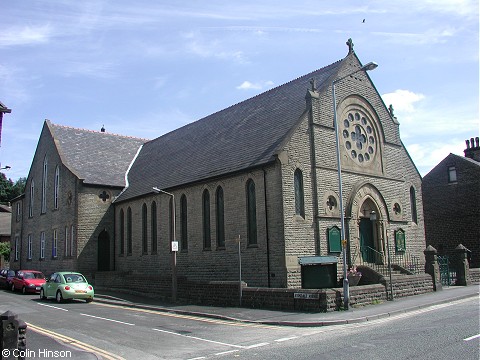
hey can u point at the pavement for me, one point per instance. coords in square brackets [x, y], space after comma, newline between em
[290, 318]
[40, 345]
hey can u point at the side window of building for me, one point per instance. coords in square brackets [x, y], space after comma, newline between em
[413, 205]
[220, 218]
[72, 239]
[54, 243]
[56, 187]
[42, 245]
[17, 248]
[122, 232]
[299, 193]
[452, 174]
[129, 232]
[44, 185]
[66, 241]
[144, 229]
[251, 213]
[183, 223]
[29, 246]
[18, 211]
[30, 200]
[154, 223]
[207, 238]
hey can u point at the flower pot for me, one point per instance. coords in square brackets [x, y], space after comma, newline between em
[353, 279]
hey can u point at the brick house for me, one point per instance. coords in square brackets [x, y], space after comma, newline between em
[451, 203]
[263, 172]
[65, 216]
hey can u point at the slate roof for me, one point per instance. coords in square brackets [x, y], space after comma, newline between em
[98, 158]
[243, 136]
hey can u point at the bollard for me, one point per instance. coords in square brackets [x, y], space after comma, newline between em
[13, 336]
[461, 266]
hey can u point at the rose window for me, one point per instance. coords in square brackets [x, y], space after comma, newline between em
[359, 137]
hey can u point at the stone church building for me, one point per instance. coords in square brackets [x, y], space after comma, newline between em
[262, 172]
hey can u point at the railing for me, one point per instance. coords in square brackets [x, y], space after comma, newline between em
[406, 263]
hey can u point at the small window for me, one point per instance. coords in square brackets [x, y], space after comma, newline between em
[122, 232]
[17, 248]
[66, 240]
[183, 223]
[153, 212]
[44, 185]
[42, 245]
[299, 195]
[29, 252]
[129, 232]
[452, 174]
[54, 244]
[56, 187]
[413, 205]
[144, 229]
[251, 213]
[220, 218]
[30, 200]
[207, 238]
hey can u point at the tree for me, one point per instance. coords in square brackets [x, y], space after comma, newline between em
[10, 190]
[5, 250]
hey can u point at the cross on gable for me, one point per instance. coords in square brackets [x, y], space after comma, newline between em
[350, 45]
[104, 196]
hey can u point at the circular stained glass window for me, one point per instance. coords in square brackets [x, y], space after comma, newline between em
[359, 137]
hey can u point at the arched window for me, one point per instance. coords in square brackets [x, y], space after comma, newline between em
[56, 187]
[220, 219]
[129, 232]
[122, 232]
[413, 205]
[183, 223]
[144, 229]
[251, 213]
[154, 227]
[44, 185]
[32, 197]
[207, 238]
[299, 194]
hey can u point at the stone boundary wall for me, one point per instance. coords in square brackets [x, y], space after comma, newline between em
[226, 293]
[475, 276]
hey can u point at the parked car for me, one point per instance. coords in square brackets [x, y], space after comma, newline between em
[67, 285]
[6, 276]
[29, 281]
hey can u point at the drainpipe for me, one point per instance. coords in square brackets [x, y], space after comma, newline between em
[266, 224]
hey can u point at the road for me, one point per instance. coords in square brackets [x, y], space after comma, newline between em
[448, 331]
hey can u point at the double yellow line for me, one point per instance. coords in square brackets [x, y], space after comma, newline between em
[73, 342]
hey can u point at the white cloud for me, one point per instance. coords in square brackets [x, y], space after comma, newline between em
[402, 100]
[26, 35]
[247, 85]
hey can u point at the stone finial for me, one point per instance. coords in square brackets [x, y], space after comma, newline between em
[313, 83]
[103, 128]
[350, 45]
[390, 110]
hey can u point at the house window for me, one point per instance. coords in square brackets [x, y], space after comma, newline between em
[17, 248]
[154, 227]
[144, 229]
[207, 238]
[299, 195]
[452, 174]
[44, 185]
[129, 232]
[30, 201]
[29, 245]
[251, 213]
[42, 245]
[54, 244]
[413, 204]
[66, 241]
[18, 211]
[183, 223]
[122, 232]
[72, 239]
[57, 187]
[220, 219]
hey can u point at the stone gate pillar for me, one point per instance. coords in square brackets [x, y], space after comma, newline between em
[461, 266]
[432, 268]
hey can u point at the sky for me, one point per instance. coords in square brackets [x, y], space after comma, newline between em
[143, 68]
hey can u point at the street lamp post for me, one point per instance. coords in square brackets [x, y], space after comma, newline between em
[174, 244]
[346, 295]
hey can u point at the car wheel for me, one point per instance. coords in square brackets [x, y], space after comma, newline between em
[59, 297]
[13, 287]
[42, 295]
[89, 300]
[24, 290]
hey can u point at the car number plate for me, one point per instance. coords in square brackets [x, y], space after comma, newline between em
[80, 291]
[37, 288]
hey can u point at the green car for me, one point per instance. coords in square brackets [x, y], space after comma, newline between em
[66, 286]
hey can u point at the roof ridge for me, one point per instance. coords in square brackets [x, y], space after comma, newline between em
[96, 131]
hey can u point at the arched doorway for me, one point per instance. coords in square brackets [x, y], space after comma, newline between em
[370, 248]
[103, 251]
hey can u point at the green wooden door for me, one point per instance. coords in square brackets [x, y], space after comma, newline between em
[366, 240]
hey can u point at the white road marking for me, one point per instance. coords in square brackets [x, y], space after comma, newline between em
[287, 338]
[472, 337]
[101, 318]
[53, 307]
[201, 339]
[226, 352]
[256, 345]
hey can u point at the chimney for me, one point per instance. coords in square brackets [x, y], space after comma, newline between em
[473, 149]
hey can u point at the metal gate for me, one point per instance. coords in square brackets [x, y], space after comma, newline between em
[448, 276]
